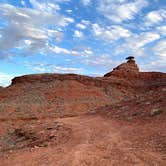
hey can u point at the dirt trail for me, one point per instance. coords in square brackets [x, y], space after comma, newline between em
[96, 141]
[105, 142]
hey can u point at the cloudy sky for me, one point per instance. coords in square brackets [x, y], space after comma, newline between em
[87, 37]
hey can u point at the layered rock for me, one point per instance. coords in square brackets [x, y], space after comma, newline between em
[128, 69]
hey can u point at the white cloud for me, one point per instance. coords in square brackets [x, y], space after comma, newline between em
[44, 67]
[80, 26]
[78, 34]
[59, 50]
[69, 11]
[62, 69]
[30, 24]
[88, 51]
[155, 17]
[23, 2]
[158, 64]
[162, 30]
[110, 33]
[5, 79]
[44, 7]
[82, 52]
[101, 62]
[121, 10]
[86, 2]
[67, 20]
[141, 40]
[160, 49]
[83, 24]
[135, 45]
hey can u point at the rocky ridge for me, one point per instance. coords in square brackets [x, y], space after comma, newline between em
[71, 94]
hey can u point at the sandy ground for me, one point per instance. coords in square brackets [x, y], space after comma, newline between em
[96, 141]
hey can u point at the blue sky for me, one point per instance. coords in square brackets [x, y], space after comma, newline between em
[87, 37]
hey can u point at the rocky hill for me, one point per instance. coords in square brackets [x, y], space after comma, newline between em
[71, 94]
[69, 119]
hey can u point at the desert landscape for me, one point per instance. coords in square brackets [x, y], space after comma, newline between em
[76, 120]
[82, 82]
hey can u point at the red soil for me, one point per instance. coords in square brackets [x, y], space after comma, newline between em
[73, 120]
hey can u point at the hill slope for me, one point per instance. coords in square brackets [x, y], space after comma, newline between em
[71, 120]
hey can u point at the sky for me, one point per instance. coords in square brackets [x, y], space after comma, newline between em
[88, 37]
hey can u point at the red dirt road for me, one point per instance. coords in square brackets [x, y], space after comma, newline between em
[97, 141]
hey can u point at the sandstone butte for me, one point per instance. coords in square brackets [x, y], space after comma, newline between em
[74, 120]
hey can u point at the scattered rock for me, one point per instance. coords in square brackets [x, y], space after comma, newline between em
[155, 112]
[38, 136]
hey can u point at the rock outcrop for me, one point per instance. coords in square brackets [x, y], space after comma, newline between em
[128, 69]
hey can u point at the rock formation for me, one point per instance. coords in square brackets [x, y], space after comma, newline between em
[57, 119]
[128, 69]
[71, 94]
